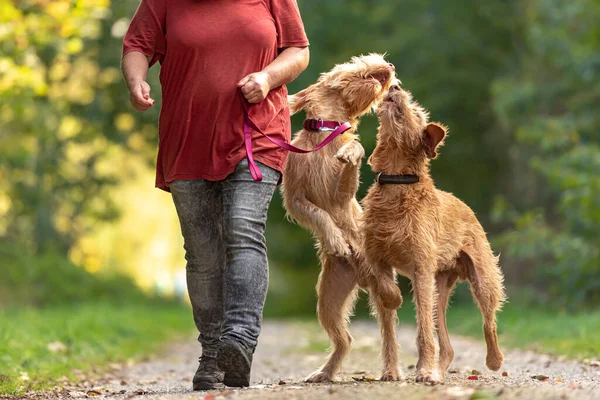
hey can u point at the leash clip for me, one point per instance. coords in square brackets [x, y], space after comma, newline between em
[324, 128]
[377, 178]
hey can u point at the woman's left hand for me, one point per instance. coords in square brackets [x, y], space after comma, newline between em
[255, 86]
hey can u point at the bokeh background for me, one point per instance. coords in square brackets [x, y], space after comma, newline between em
[517, 82]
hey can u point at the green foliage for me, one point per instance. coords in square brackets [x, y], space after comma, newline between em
[50, 279]
[59, 120]
[550, 104]
[91, 335]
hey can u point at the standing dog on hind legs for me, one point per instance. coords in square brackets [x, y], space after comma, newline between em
[426, 234]
[319, 194]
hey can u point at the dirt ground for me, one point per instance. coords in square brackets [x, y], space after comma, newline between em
[289, 351]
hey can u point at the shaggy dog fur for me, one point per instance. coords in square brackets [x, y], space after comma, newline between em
[427, 235]
[319, 194]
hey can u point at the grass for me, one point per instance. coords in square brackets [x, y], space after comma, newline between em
[93, 335]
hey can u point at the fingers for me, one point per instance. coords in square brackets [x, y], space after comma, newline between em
[244, 80]
[140, 97]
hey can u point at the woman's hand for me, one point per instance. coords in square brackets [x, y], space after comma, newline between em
[255, 86]
[139, 96]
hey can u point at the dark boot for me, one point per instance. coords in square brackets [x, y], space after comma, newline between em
[236, 361]
[209, 375]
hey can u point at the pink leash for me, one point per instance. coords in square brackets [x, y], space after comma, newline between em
[248, 125]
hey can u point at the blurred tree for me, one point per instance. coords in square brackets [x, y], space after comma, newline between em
[549, 103]
[59, 120]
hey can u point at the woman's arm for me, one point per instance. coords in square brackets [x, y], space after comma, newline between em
[284, 69]
[135, 68]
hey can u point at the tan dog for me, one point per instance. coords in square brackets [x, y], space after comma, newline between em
[426, 234]
[319, 194]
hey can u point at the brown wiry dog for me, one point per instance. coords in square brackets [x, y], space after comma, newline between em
[319, 194]
[426, 234]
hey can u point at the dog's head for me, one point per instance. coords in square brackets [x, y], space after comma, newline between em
[348, 91]
[405, 123]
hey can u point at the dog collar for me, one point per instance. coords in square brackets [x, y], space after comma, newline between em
[408, 179]
[320, 125]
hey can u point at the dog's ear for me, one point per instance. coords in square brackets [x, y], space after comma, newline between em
[433, 136]
[299, 100]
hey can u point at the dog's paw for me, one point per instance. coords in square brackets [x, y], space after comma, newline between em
[337, 247]
[319, 376]
[429, 377]
[494, 360]
[351, 153]
[391, 376]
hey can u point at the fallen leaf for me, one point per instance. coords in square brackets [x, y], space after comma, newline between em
[472, 378]
[411, 366]
[540, 377]
[559, 380]
[364, 379]
[281, 382]
[56, 347]
[94, 393]
[504, 373]
[475, 372]
[159, 378]
[124, 383]
[77, 395]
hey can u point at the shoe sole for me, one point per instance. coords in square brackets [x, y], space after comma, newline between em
[236, 364]
[204, 385]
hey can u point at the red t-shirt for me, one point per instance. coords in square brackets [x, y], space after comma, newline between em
[204, 48]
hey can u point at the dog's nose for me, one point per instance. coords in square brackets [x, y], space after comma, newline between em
[393, 88]
[392, 66]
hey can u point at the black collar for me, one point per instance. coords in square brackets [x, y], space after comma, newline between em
[383, 179]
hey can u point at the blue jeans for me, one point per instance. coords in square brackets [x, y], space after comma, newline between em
[223, 225]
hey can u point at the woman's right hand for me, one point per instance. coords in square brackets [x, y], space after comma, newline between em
[139, 96]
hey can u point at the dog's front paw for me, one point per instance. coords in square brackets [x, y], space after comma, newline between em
[319, 376]
[390, 376]
[337, 247]
[429, 377]
[351, 153]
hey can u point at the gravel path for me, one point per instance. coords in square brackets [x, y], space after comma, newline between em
[290, 351]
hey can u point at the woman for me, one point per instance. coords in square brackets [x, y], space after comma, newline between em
[214, 56]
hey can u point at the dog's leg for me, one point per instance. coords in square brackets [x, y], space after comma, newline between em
[337, 290]
[486, 286]
[424, 290]
[386, 288]
[320, 223]
[389, 352]
[445, 282]
[350, 154]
